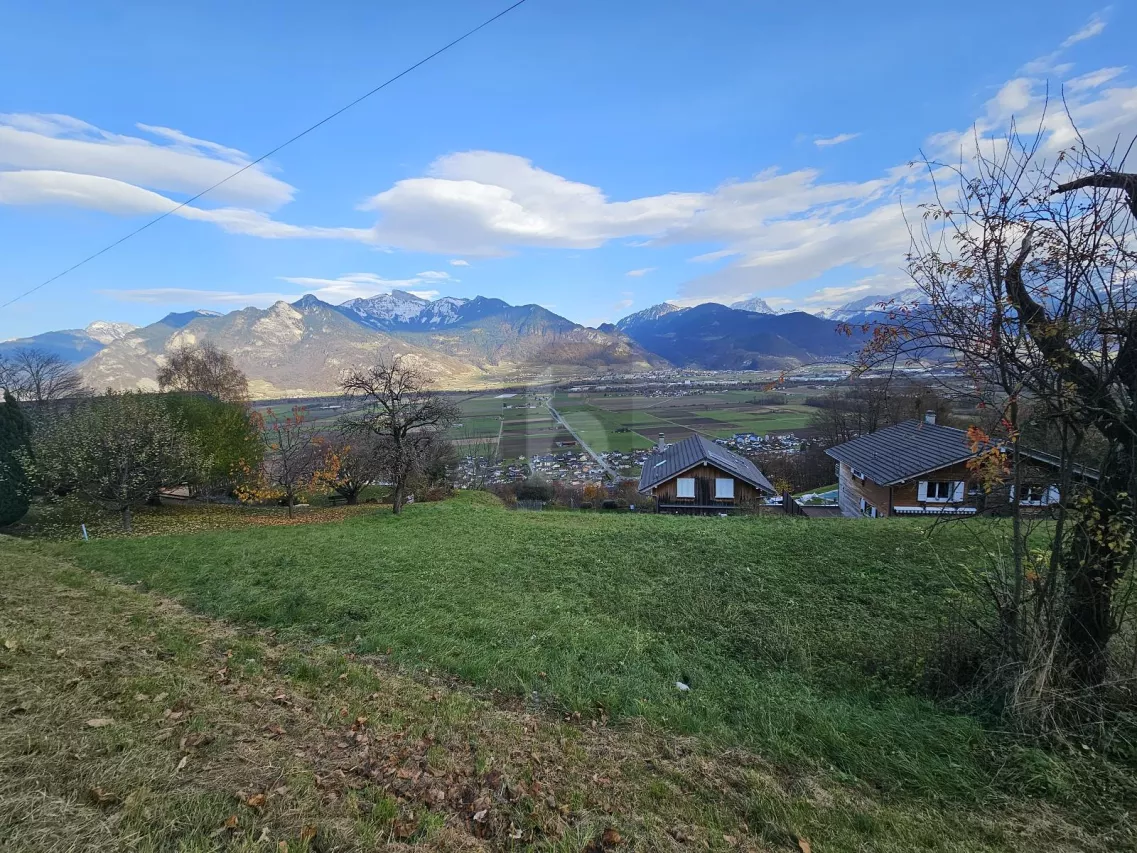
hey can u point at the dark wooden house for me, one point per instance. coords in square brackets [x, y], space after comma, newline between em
[698, 476]
[919, 467]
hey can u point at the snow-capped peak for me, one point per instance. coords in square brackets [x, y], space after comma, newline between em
[873, 304]
[107, 333]
[646, 315]
[401, 308]
[755, 304]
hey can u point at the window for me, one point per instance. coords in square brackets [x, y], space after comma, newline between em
[867, 509]
[1034, 494]
[685, 487]
[856, 473]
[724, 488]
[940, 491]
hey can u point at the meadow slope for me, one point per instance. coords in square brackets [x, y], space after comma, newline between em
[800, 640]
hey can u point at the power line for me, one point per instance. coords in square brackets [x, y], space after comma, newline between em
[268, 154]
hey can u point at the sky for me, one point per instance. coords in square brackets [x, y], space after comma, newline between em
[594, 157]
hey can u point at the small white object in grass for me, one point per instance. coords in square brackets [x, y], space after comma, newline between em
[682, 686]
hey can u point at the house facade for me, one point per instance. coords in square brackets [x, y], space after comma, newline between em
[697, 476]
[919, 467]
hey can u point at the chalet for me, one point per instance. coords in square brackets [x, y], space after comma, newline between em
[919, 467]
[697, 476]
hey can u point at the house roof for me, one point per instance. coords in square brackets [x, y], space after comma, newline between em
[903, 451]
[912, 448]
[692, 451]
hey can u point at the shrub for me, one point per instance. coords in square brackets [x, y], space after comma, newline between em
[15, 435]
[535, 489]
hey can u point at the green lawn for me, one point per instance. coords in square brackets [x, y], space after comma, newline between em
[798, 639]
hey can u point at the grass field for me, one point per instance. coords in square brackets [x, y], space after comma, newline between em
[800, 640]
[719, 415]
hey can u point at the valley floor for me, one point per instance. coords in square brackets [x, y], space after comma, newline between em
[128, 722]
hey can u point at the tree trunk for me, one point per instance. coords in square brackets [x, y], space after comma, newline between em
[291, 498]
[126, 519]
[1099, 551]
[397, 500]
[351, 499]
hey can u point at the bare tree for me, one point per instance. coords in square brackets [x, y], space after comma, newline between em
[1027, 277]
[35, 375]
[205, 368]
[400, 408]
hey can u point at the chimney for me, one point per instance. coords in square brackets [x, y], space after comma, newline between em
[662, 446]
[930, 416]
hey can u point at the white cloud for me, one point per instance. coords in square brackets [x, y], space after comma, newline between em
[56, 143]
[639, 273]
[1048, 64]
[835, 140]
[1094, 79]
[838, 294]
[459, 262]
[94, 192]
[1093, 27]
[436, 275]
[330, 290]
[356, 285]
[486, 202]
[176, 297]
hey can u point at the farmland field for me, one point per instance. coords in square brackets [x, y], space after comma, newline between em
[515, 425]
[631, 422]
[620, 422]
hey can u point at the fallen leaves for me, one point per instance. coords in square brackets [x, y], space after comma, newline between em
[607, 840]
[804, 845]
[102, 797]
[99, 722]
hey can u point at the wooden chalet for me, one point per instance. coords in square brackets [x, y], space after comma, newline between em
[919, 467]
[696, 476]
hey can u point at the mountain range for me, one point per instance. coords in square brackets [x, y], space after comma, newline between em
[304, 347]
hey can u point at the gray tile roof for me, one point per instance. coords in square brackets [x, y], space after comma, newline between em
[905, 450]
[913, 448]
[693, 450]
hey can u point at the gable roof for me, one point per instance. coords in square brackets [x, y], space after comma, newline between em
[903, 451]
[692, 451]
[912, 448]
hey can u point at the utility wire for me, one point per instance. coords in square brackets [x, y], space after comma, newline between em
[268, 154]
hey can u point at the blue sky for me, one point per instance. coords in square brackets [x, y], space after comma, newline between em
[595, 157]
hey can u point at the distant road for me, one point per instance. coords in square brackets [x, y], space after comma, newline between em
[612, 473]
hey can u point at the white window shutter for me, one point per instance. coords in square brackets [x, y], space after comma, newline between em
[1052, 496]
[1011, 493]
[922, 491]
[957, 495]
[863, 504]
